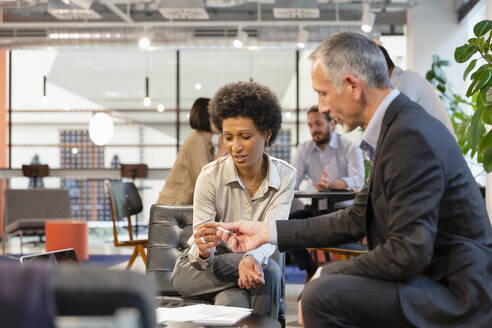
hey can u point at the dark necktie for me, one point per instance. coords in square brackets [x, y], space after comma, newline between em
[368, 149]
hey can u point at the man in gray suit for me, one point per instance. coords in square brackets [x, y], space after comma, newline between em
[430, 241]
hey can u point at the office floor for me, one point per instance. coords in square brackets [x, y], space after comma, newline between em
[104, 246]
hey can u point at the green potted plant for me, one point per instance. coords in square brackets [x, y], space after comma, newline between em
[479, 139]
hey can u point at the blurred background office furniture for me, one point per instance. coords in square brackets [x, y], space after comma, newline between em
[62, 234]
[170, 227]
[27, 210]
[125, 201]
[133, 171]
[92, 291]
[35, 172]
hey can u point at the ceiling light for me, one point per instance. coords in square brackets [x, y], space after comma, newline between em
[144, 42]
[237, 43]
[241, 39]
[160, 108]
[368, 18]
[198, 86]
[101, 129]
[301, 38]
[147, 101]
[75, 151]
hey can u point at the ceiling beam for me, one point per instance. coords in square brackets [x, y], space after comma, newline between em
[117, 11]
[109, 25]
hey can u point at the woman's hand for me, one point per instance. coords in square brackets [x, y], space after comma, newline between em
[250, 273]
[206, 239]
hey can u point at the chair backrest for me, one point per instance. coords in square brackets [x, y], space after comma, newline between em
[125, 199]
[170, 227]
[36, 204]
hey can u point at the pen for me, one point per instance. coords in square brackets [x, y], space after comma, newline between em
[224, 230]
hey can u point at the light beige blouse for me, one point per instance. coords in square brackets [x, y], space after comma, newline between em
[221, 196]
[195, 152]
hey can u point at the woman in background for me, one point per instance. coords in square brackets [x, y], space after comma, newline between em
[196, 151]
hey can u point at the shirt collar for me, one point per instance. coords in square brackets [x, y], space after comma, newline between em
[371, 134]
[332, 144]
[231, 175]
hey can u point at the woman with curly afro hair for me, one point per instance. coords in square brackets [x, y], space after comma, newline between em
[246, 184]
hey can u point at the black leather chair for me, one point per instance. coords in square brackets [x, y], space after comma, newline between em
[170, 227]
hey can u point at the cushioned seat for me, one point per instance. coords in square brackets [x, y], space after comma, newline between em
[26, 210]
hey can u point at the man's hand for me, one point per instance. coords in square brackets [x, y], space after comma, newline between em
[250, 273]
[323, 183]
[206, 239]
[246, 235]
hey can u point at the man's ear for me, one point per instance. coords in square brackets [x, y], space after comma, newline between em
[353, 85]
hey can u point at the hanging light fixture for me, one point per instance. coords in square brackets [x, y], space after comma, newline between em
[368, 18]
[147, 101]
[101, 129]
[241, 38]
[44, 98]
[301, 38]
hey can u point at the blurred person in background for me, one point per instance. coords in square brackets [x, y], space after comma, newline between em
[196, 151]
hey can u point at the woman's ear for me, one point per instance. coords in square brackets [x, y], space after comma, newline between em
[268, 135]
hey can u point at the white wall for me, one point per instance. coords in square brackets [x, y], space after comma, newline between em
[433, 29]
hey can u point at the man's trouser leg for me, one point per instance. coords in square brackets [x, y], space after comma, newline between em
[351, 301]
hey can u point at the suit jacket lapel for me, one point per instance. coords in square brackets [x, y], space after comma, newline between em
[392, 111]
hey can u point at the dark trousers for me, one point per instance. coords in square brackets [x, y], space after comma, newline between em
[301, 256]
[351, 301]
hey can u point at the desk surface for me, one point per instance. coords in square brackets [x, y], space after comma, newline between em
[251, 321]
[323, 194]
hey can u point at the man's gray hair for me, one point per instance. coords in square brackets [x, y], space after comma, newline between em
[352, 53]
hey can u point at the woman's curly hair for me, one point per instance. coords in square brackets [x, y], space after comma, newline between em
[247, 99]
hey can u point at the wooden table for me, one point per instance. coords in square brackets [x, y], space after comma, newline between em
[332, 197]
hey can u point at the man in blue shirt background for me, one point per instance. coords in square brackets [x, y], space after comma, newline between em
[330, 161]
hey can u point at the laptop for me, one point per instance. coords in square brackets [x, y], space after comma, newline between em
[62, 255]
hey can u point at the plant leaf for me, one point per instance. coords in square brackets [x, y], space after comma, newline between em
[476, 127]
[463, 53]
[469, 92]
[488, 56]
[483, 79]
[435, 59]
[486, 141]
[487, 44]
[441, 88]
[472, 41]
[429, 76]
[482, 27]
[469, 68]
[487, 160]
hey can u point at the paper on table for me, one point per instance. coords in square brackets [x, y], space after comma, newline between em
[202, 314]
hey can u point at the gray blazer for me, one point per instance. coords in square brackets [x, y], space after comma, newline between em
[425, 222]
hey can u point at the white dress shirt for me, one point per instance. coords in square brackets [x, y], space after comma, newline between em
[422, 92]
